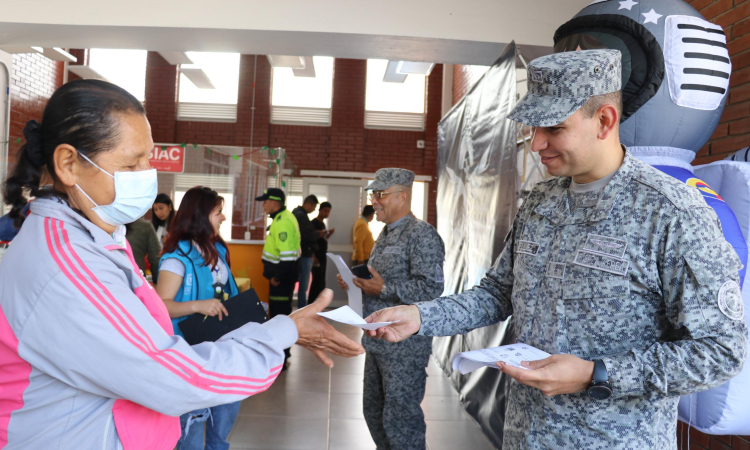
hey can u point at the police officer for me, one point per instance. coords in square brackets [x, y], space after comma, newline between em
[281, 253]
[406, 266]
[618, 270]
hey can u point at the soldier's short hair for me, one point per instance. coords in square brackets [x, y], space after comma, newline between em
[593, 104]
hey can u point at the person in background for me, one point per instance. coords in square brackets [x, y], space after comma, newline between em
[9, 228]
[281, 253]
[162, 214]
[194, 268]
[144, 243]
[89, 357]
[406, 266]
[320, 261]
[309, 240]
[363, 241]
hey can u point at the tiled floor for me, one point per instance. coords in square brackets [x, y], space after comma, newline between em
[313, 408]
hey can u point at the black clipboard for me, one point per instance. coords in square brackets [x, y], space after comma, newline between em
[242, 308]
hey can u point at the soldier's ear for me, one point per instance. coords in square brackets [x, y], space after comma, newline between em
[608, 119]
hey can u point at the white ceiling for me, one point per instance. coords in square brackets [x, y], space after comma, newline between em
[465, 32]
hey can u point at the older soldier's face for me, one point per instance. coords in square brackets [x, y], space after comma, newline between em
[386, 202]
[568, 149]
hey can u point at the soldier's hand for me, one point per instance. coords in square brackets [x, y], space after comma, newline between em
[316, 335]
[558, 374]
[373, 286]
[408, 321]
[342, 283]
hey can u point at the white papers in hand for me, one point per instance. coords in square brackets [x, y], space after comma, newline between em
[354, 293]
[347, 315]
[509, 354]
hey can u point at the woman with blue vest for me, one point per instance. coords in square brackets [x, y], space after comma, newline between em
[193, 276]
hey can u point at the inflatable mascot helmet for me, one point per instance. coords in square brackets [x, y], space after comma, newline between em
[675, 78]
[675, 68]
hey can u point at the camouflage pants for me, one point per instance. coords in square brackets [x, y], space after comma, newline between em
[393, 391]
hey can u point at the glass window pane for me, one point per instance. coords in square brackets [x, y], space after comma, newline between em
[125, 68]
[408, 97]
[223, 69]
[307, 92]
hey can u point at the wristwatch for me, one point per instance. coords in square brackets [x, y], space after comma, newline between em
[599, 389]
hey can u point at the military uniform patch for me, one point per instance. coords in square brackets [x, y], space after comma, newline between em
[599, 261]
[392, 250]
[730, 300]
[528, 247]
[606, 245]
[556, 270]
[282, 236]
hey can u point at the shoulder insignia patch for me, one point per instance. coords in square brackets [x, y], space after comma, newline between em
[282, 236]
[730, 301]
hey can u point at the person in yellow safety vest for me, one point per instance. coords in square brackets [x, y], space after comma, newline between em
[281, 254]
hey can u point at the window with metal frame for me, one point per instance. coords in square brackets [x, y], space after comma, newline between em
[394, 105]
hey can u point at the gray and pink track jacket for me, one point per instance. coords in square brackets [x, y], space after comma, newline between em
[87, 356]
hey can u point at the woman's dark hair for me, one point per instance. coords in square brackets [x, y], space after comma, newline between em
[83, 114]
[157, 222]
[191, 223]
[368, 211]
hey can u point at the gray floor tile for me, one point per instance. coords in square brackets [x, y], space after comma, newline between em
[311, 405]
[438, 407]
[312, 381]
[348, 365]
[438, 385]
[346, 406]
[455, 435]
[350, 435]
[288, 433]
[344, 383]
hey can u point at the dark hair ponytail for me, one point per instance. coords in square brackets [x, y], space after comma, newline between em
[82, 114]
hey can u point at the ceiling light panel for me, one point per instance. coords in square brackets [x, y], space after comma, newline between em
[198, 77]
[176, 58]
[308, 71]
[391, 73]
[294, 62]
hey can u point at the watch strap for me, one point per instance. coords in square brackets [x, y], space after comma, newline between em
[600, 372]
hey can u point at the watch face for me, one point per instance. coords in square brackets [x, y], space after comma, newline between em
[600, 392]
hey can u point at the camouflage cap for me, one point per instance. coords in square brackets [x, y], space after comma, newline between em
[385, 178]
[559, 84]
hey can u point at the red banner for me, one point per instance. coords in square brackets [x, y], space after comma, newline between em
[167, 158]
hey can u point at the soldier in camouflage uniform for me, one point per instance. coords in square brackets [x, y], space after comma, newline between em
[407, 267]
[618, 270]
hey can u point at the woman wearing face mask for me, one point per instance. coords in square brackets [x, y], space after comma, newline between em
[88, 353]
[195, 251]
[162, 215]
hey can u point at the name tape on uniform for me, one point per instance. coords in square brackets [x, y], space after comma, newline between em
[602, 262]
[392, 250]
[606, 245]
[528, 247]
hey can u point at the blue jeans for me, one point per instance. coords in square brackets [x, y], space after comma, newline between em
[219, 421]
[305, 268]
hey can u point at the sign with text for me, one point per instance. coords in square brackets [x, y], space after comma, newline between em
[167, 158]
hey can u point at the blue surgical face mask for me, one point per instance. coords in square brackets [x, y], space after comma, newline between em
[134, 194]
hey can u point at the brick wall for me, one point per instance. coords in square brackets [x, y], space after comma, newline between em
[733, 132]
[33, 80]
[344, 146]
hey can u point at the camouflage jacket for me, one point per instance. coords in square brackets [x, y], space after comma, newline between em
[644, 280]
[410, 259]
